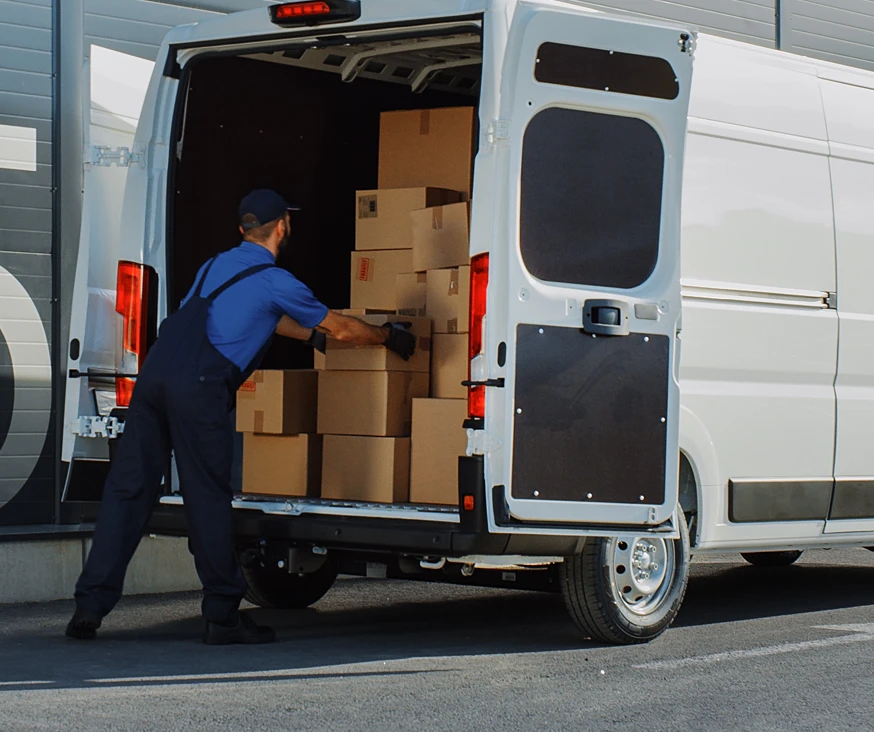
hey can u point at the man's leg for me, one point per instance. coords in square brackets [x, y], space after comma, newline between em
[129, 497]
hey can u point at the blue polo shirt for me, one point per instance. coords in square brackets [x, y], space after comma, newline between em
[244, 316]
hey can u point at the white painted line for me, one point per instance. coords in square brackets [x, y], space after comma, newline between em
[25, 683]
[863, 632]
[18, 148]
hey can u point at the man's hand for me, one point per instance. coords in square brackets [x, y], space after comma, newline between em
[400, 340]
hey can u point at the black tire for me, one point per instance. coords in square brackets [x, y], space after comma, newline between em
[598, 606]
[273, 587]
[772, 559]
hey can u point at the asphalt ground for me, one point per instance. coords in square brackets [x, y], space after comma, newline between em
[752, 649]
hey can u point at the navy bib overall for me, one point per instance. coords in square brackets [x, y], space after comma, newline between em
[182, 399]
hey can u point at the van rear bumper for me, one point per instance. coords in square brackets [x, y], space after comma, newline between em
[360, 534]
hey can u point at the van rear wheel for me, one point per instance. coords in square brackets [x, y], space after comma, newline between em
[772, 559]
[627, 589]
[274, 587]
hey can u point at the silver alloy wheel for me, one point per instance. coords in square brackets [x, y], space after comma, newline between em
[642, 571]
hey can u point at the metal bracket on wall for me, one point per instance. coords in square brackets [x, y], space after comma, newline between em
[93, 426]
[104, 156]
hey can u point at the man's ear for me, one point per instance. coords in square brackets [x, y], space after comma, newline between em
[242, 230]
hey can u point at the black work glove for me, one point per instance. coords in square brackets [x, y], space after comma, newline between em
[318, 340]
[400, 340]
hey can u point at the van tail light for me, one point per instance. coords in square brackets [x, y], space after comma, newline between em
[479, 284]
[314, 13]
[136, 296]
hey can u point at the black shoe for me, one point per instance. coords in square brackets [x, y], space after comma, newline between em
[245, 631]
[83, 625]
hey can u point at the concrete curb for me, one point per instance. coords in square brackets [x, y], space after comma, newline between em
[45, 570]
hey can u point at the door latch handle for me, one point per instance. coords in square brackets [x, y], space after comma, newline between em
[499, 382]
[605, 317]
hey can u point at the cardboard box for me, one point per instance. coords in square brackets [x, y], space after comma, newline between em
[282, 465]
[438, 440]
[278, 402]
[427, 147]
[441, 237]
[366, 468]
[383, 216]
[345, 357]
[375, 277]
[449, 364]
[412, 293]
[374, 403]
[448, 299]
[319, 360]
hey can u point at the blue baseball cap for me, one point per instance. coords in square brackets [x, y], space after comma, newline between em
[262, 206]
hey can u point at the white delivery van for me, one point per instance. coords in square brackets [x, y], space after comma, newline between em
[598, 458]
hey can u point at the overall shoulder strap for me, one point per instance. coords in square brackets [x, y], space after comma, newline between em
[237, 277]
[203, 278]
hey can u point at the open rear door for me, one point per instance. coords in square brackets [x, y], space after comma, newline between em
[116, 84]
[586, 292]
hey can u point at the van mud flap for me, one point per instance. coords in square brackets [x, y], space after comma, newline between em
[590, 416]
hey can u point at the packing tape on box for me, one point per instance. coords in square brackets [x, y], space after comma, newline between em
[425, 122]
[452, 325]
[453, 282]
[437, 218]
[421, 278]
[259, 420]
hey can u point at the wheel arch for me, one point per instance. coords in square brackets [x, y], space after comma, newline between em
[699, 467]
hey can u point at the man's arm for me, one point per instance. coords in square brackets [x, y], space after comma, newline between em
[290, 328]
[350, 330]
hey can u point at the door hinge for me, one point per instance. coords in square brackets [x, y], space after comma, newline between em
[104, 156]
[686, 43]
[93, 426]
[831, 301]
[480, 442]
[498, 130]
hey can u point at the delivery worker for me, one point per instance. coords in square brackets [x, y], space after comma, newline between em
[184, 392]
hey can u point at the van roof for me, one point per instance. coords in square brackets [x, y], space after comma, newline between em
[373, 12]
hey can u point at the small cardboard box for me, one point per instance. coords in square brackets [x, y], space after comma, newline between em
[412, 293]
[383, 216]
[375, 403]
[282, 465]
[366, 468]
[345, 357]
[441, 237]
[375, 277]
[427, 147]
[278, 402]
[448, 299]
[449, 365]
[437, 442]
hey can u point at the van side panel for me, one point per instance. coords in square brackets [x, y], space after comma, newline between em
[759, 342]
[848, 110]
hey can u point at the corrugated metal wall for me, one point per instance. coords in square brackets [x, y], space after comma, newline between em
[835, 30]
[26, 479]
[752, 21]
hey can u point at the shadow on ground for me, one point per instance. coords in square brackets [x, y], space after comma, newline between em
[155, 640]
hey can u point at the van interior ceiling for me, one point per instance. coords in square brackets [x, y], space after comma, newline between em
[305, 122]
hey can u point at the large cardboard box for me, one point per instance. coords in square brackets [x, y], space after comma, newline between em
[377, 403]
[282, 465]
[438, 440]
[278, 402]
[427, 147]
[449, 365]
[366, 468]
[344, 357]
[383, 216]
[448, 299]
[412, 293]
[375, 277]
[441, 237]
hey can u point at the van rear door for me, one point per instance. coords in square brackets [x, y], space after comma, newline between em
[115, 87]
[584, 286]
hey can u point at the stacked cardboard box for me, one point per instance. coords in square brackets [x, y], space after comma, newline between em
[276, 412]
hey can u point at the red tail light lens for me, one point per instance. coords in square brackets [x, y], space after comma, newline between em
[312, 13]
[133, 295]
[479, 284]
